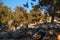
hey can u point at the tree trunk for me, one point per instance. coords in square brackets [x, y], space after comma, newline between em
[45, 21]
[52, 19]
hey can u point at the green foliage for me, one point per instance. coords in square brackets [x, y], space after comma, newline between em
[21, 15]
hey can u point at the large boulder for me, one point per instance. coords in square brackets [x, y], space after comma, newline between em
[19, 33]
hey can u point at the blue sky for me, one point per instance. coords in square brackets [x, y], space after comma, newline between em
[14, 3]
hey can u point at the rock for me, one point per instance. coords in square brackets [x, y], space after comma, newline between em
[58, 36]
[37, 37]
[19, 33]
[30, 32]
[8, 34]
[1, 36]
[27, 39]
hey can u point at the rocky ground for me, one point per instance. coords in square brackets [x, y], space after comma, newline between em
[43, 32]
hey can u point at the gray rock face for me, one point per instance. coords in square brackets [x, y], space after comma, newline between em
[19, 33]
[6, 35]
